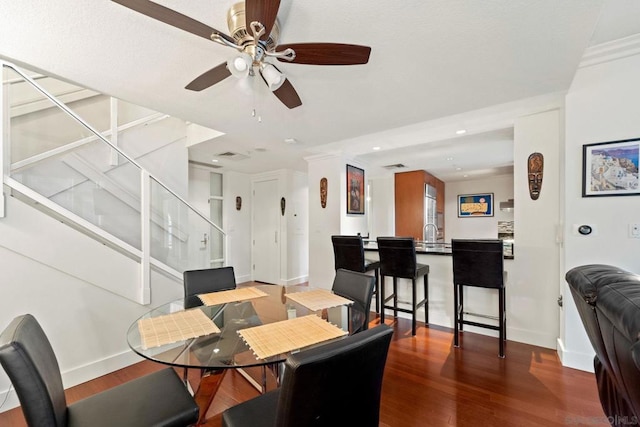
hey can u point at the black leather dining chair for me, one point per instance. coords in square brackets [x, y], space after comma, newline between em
[348, 252]
[398, 260]
[332, 385]
[206, 280]
[358, 287]
[157, 399]
[479, 263]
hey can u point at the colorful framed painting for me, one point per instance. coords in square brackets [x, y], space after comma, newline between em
[610, 168]
[475, 205]
[355, 191]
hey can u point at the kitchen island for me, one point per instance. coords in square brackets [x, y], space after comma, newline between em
[438, 257]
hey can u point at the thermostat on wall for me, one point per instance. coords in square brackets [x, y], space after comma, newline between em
[584, 229]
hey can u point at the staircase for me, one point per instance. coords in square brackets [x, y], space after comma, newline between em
[92, 163]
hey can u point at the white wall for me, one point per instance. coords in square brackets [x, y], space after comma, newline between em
[297, 229]
[160, 148]
[602, 105]
[237, 223]
[534, 287]
[80, 290]
[60, 276]
[477, 227]
[324, 222]
[382, 217]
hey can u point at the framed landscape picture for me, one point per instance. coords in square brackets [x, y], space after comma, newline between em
[475, 205]
[610, 168]
[355, 190]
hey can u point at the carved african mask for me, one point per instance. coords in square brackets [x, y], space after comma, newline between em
[535, 166]
[323, 192]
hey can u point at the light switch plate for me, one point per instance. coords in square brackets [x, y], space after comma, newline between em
[634, 231]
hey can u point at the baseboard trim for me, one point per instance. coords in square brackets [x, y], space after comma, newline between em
[575, 360]
[79, 375]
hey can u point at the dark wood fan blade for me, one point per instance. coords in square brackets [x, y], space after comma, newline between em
[327, 53]
[263, 11]
[209, 78]
[173, 18]
[288, 95]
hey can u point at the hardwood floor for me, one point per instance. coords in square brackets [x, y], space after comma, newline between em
[428, 382]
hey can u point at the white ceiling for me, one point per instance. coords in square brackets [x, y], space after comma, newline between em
[436, 66]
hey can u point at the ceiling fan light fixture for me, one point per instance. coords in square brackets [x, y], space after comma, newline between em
[240, 65]
[272, 76]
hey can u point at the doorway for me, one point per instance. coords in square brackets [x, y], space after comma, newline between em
[266, 231]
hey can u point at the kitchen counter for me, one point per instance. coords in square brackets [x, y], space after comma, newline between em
[441, 286]
[423, 248]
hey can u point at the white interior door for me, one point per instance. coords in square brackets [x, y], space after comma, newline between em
[266, 232]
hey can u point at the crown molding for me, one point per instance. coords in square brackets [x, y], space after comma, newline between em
[611, 51]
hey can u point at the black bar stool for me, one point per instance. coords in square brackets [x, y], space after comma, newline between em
[398, 260]
[348, 253]
[479, 263]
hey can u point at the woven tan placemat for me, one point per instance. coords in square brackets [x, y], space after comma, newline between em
[287, 335]
[174, 327]
[233, 295]
[318, 299]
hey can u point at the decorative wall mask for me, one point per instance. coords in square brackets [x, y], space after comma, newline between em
[283, 203]
[238, 203]
[535, 166]
[323, 192]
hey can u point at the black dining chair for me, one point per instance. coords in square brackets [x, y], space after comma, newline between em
[358, 287]
[398, 260]
[214, 280]
[157, 399]
[336, 384]
[204, 281]
[479, 263]
[201, 282]
[348, 252]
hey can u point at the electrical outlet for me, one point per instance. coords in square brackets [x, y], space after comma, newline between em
[634, 231]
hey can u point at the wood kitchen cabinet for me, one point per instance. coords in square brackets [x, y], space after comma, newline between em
[409, 202]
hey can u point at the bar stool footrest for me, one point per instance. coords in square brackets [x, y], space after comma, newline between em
[485, 316]
[480, 325]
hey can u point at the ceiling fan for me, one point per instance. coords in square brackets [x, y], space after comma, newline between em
[255, 42]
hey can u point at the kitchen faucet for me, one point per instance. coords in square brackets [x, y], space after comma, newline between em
[424, 232]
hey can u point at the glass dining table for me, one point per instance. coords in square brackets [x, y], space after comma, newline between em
[218, 352]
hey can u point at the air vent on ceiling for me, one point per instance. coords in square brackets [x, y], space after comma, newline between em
[396, 166]
[207, 165]
[232, 156]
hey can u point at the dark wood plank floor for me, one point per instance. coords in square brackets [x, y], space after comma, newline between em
[428, 382]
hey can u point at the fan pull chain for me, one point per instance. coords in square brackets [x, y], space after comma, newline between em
[253, 112]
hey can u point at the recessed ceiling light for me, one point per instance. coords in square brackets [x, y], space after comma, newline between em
[376, 148]
[291, 141]
[214, 160]
[449, 159]
[461, 131]
[458, 168]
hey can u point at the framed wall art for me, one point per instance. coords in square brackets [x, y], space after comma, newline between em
[475, 205]
[355, 190]
[610, 168]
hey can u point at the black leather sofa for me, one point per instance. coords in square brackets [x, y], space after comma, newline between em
[608, 301]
